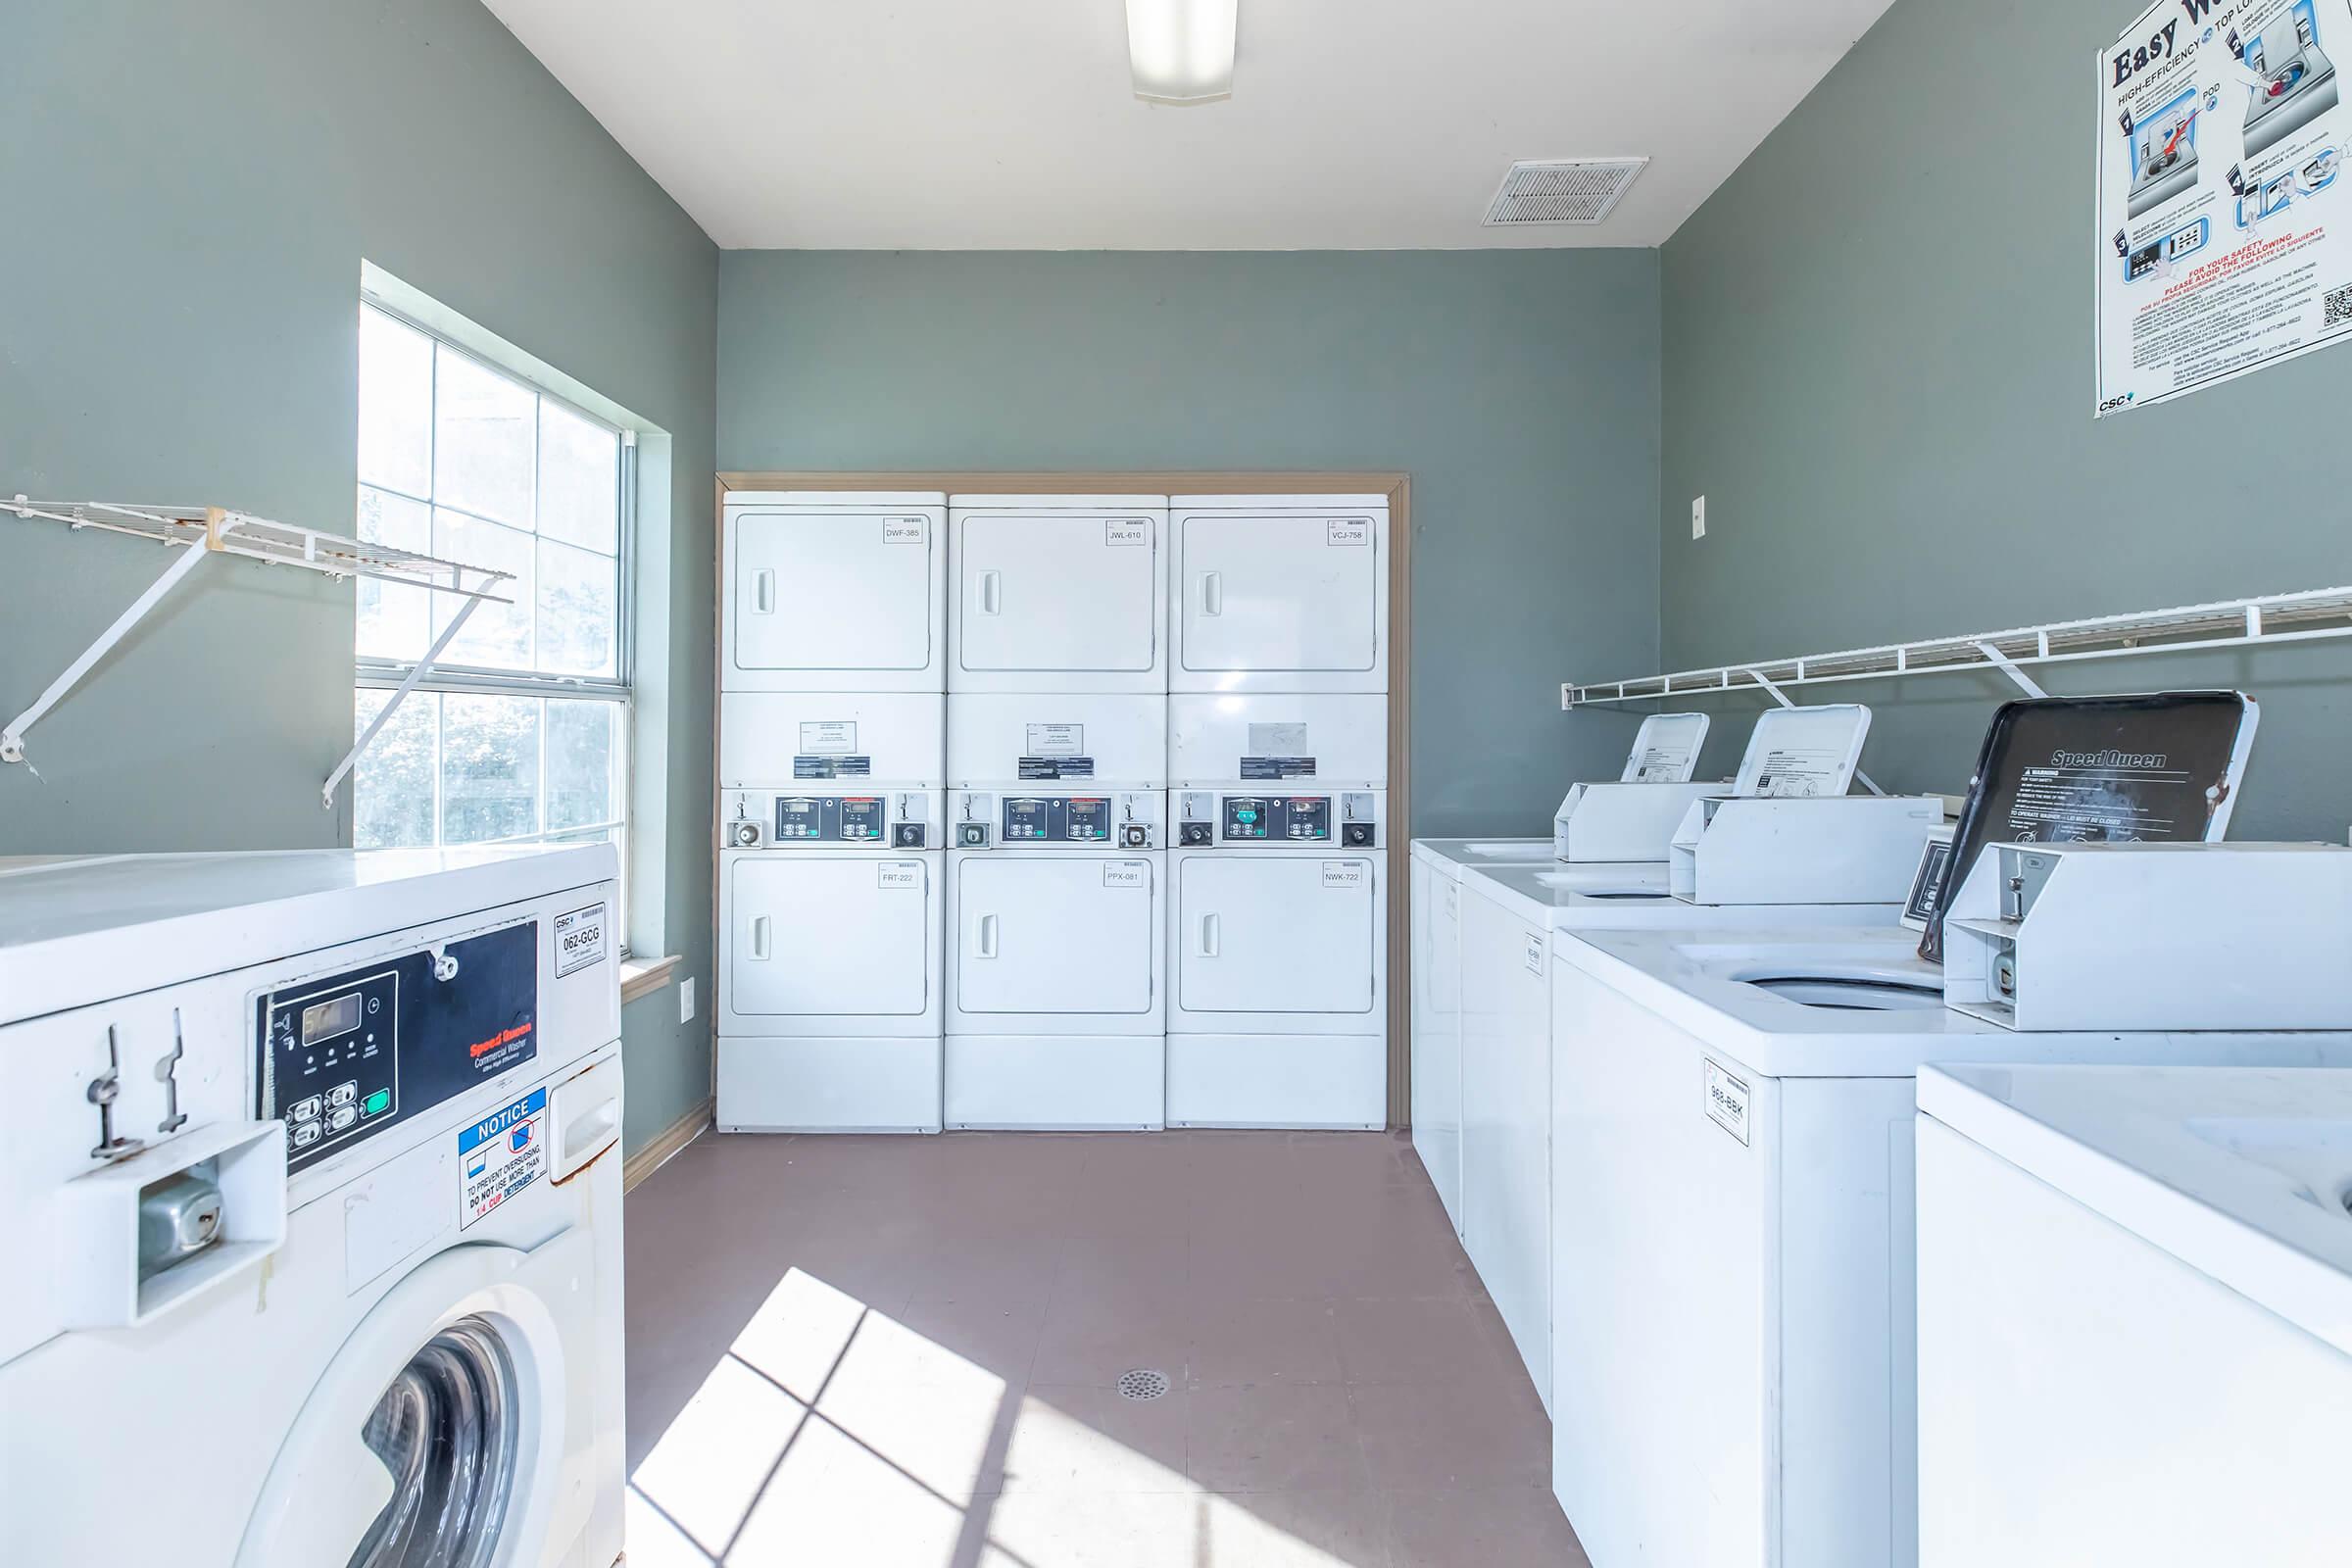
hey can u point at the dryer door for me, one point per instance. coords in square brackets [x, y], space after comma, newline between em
[1277, 933]
[440, 1431]
[816, 935]
[1058, 595]
[1054, 934]
[819, 594]
[1294, 596]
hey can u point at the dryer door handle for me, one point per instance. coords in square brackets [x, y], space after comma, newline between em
[760, 931]
[1210, 932]
[991, 593]
[984, 937]
[1212, 593]
[763, 591]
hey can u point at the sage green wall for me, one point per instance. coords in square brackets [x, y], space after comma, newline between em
[1518, 388]
[1878, 369]
[190, 190]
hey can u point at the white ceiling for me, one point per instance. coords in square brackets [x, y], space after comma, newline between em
[1354, 124]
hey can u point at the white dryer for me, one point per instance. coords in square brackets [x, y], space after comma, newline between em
[777, 738]
[1278, 946]
[834, 592]
[1059, 594]
[1280, 594]
[829, 927]
[319, 1150]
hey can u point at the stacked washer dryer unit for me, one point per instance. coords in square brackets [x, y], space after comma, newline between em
[1278, 748]
[831, 775]
[309, 1161]
[1057, 873]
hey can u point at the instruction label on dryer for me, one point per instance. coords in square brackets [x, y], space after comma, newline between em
[833, 737]
[1056, 740]
[499, 1155]
[1727, 1100]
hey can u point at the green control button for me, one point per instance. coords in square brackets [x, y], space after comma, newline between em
[379, 1102]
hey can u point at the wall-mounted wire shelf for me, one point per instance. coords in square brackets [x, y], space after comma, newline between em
[2320, 614]
[206, 531]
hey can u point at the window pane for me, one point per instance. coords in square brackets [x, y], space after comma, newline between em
[580, 480]
[485, 440]
[577, 611]
[489, 768]
[396, 405]
[498, 636]
[394, 620]
[392, 789]
[579, 763]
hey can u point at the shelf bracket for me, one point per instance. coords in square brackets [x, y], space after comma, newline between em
[1781, 697]
[2009, 668]
[12, 735]
[400, 695]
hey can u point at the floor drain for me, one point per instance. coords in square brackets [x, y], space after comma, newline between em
[1142, 1384]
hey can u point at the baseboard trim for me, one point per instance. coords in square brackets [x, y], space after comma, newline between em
[672, 1138]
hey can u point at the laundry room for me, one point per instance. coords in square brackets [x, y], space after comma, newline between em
[1174, 782]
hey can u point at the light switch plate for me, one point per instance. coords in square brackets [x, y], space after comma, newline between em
[686, 1000]
[1698, 518]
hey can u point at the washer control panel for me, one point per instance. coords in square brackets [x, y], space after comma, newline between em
[767, 819]
[1127, 820]
[1284, 818]
[349, 1054]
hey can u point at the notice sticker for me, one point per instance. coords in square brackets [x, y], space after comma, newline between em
[499, 1155]
[833, 737]
[1534, 952]
[1284, 739]
[1348, 531]
[1056, 740]
[898, 874]
[1727, 1100]
[904, 530]
[1126, 531]
[580, 939]
[1125, 874]
[1343, 874]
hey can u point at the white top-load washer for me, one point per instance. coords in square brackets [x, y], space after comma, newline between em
[1792, 753]
[2134, 1314]
[1733, 1241]
[834, 592]
[1056, 911]
[1665, 744]
[1280, 594]
[1512, 917]
[1058, 594]
[317, 1152]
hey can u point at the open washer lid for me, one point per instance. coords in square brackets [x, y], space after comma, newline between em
[1665, 748]
[1803, 751]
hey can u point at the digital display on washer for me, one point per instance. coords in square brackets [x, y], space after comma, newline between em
[342, 1056]
[1276, 818]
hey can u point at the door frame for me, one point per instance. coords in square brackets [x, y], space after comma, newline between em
[1395, 484]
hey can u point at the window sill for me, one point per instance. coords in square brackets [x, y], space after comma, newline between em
[641, 977]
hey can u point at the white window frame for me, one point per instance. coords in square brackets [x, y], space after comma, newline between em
[374, 673]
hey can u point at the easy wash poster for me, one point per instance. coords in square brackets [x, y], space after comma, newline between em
[2224, 242]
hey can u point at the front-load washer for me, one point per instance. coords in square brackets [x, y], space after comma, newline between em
[320, 1152]
[1280, 594]
[834, 592]
[1511, 916]
[1278, 936]
[1734, 1245]
[1058, 594]
[2134, 1314]
[829, 994]
[1433, 913]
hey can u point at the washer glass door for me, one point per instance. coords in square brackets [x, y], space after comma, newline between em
[447, 1432]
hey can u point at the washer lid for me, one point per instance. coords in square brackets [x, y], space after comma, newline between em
[1665, 748]
[1804, 751]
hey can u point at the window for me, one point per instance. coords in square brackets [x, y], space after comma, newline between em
[519, 732]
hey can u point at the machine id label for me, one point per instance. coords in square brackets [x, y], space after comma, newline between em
[1056, 740]
[1125, 874]
[1343, 874]
[898, 874]
[1348, 531]
[1125, 531]
[904, 530]
[580, 939]
[829, 737]
[501, 1155]
[1727, 1101]
[1533, 955]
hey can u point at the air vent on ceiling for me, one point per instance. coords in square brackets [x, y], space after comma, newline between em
[1568, 190]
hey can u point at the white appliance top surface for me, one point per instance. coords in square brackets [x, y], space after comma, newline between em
[1454, 857]
[1253, 506]
[77, 931]
[836, 502]
[2239, 1173]
[1697, 981]
[1083, 505]
[1553, 893]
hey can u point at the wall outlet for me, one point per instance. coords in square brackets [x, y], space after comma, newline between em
[686, 1000]
[1698, 518]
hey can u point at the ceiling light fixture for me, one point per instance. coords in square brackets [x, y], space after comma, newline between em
[1181, 51]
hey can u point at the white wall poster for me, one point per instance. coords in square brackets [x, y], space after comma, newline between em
[2221, 243]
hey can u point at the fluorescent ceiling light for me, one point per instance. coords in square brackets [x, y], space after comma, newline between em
[1181, 51]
